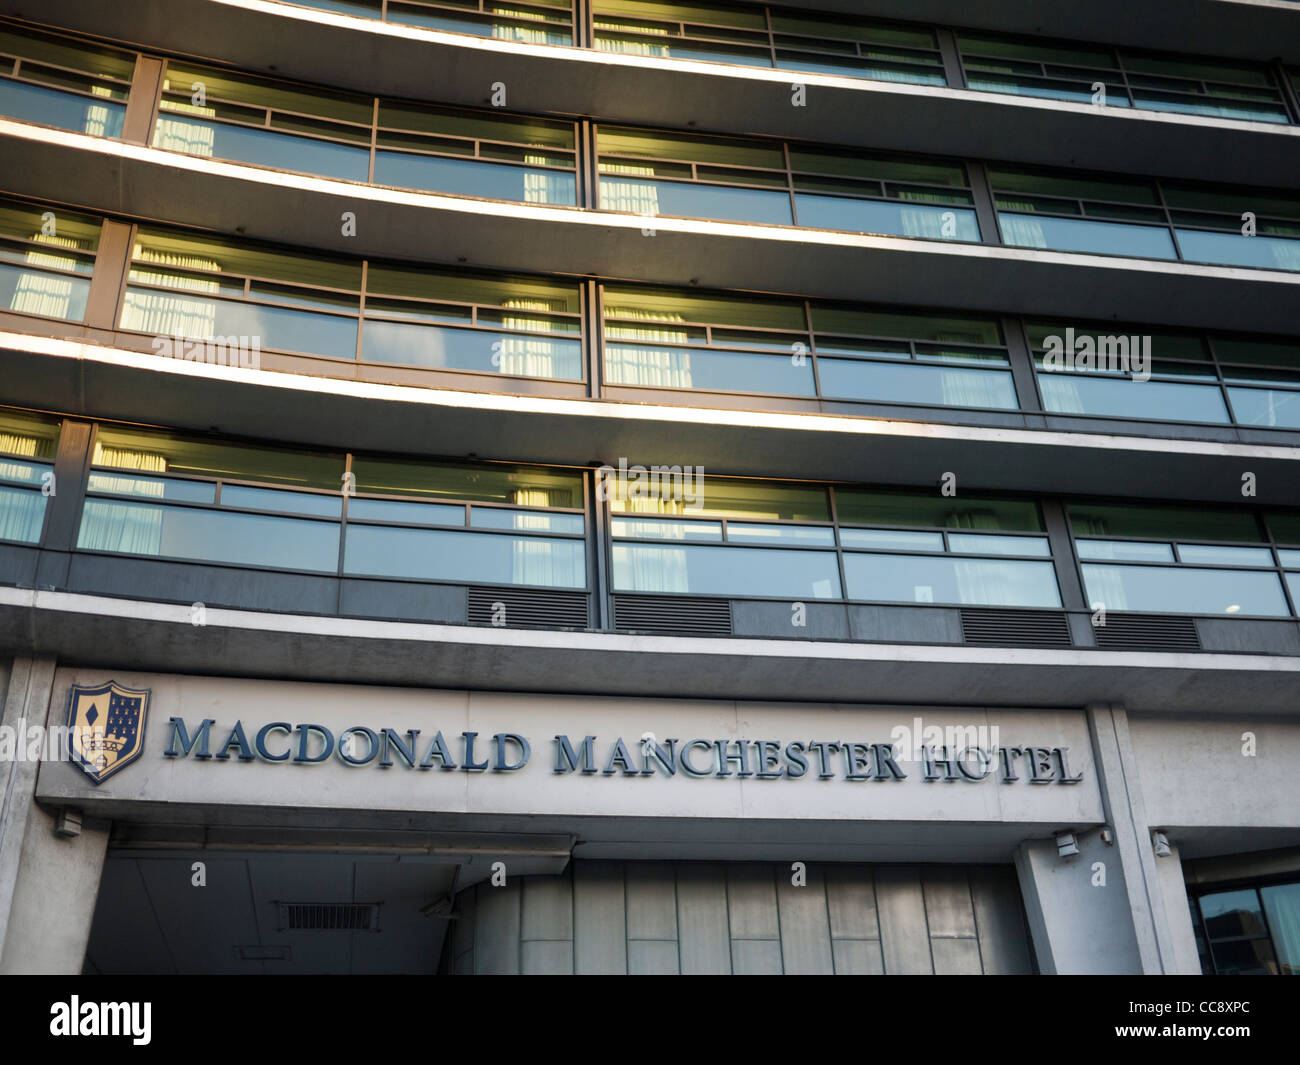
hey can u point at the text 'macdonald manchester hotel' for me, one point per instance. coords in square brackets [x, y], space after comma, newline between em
[638, 487]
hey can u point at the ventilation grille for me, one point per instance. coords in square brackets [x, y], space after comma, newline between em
[329, 917]
[673, 615]
[1015, 628]
[512, 607]
[1147, 632]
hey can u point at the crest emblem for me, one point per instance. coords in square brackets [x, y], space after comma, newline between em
[106, 728]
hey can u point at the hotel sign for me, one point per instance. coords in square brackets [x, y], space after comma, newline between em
[284, 743]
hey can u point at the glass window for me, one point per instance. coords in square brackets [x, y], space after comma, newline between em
[729, 571]
[464, 557]
[716, 497]
[1207, 555]
[526, 520]
[888, 540]
[496, 483]
[986, 544]
[655, 529]
[62, 82]
[803, 535]
[1184, 590]
[28, 443]
[1164, 522]
[938, 579]
[884, 507]
[397, 512]
[46, 258]
[1126, 552]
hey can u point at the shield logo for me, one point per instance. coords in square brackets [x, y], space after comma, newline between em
[106, 728]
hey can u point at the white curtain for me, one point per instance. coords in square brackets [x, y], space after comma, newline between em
[650, 367]
[547, 186]
[159, 313]
[177, 135]
[539, 561]
[21, 510]
[99, 120]
[1282, 904]
[522, 34]
[1020, 231]
[634, 197]
[533, 356]
[46, 294]
[110, 526]
[1286, 253]
[651, 568]
[650, 48]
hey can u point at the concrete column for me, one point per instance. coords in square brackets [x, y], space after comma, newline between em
[48, 884]
[1173, 886]
[1078, 909]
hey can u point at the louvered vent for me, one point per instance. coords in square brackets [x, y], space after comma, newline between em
[329, 916]
[673, 615]
[513, 607]
[1015, 628]
[1147, 632]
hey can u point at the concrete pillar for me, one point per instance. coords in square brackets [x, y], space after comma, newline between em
[48, 884]
[1112, 908]
[1078, 909]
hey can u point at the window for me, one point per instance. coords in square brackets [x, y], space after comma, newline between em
[1029, 67]
[58, 81]
[46, 259]
[1175, 559]
[197, 286]
[168, 496]
[532, 22]
[221, 115]
[771, 540]
[27, 447]
[650, 173]
[662, 338]
[1147, 219]
[768, 37]
[1248, 930]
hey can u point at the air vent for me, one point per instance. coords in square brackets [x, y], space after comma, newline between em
[673, 615]
[1147, 632]
[513, 607]
[1015, 628]
[329, 916]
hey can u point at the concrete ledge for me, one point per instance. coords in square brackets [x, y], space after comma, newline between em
[130, 634]
[391, 60]
[291, 208]
[90, 380]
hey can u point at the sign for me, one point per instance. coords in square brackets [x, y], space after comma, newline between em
[106, 727]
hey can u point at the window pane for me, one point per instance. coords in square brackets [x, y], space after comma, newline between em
[479, 350]
[1244, 957]
[525, 520]
[1232, 913]
[282, 151]
[718, 497]
[1289, 558]
[1182, 590]
[612, 140]
[276, 328]
[22, 514]
[473, 177]
[1285, 527]
[984, 544]
[1110, 397]
[1274, 408]
[509, 291]
[173, 249]
[831, 318]
[1233, 249]
[760, 206]
[260, 92]
[27, 435]
[464, 557]
[882, 540]
[1202, 555]
[159, 452]
[1164, 522]
[1099, 238]
[807, 535]
[938, 579]
[522, 485]
[234, 495]
[50, 107]
[650, 529]
[1130, 552]
[738, 571]
[153, 488]
[392, 510]
[654, 306]
[209, 536]
[868, 507]
[873, 216]
[652, 367]
[913, 383]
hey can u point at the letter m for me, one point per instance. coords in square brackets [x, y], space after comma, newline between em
[566, 758]
[182, 737]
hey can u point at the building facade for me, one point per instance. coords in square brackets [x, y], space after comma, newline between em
[633, 487]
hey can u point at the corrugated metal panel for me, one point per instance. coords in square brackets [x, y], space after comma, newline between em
[1147, 632]
[1015, 628]
[515, 607]
[673, 615]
